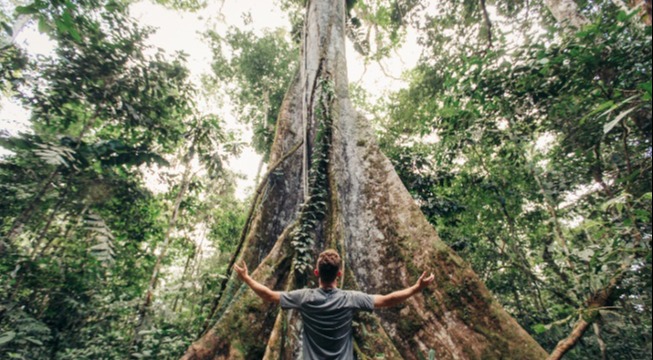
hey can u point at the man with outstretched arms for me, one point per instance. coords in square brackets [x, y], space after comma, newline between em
[327, 311]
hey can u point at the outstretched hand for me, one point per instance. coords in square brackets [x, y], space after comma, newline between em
[424, 281]
[241, 270]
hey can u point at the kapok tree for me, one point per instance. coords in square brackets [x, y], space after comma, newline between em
[329, 186]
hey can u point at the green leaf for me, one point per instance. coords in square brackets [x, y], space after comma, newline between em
[43, 25]
[606, 105]
[618, 105]
[622, 16]
[7, 28]
[539, 328]
[75, 34]
[609, 126]
[112, 6]
[26, 10]
[62, 26]
[431, 354]
[7, 337]
[647, 86]
[34, 341]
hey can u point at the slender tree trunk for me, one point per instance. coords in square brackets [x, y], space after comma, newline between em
[33, 253]
[488, 24]
[188, 267]
[142, 313]
[599, 339]
[184, 275]
[354, 201]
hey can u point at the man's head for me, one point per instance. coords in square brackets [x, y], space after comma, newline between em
[328, 266]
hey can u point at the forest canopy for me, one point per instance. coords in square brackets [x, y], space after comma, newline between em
[522, 133]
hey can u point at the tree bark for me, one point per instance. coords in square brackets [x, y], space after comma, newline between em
[570, 341]
[366, 213]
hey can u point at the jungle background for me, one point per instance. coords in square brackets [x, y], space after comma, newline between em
[523, 135]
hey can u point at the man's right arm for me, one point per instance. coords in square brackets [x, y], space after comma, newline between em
[261, 290]
[397, 297]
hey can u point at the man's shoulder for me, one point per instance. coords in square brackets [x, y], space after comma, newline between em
[298, 293]
[355, 292]
[359, 300]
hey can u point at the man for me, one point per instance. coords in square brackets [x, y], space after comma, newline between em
[327, 311]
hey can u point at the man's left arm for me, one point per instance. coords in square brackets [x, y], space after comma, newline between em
[261, 290]
[397, 297]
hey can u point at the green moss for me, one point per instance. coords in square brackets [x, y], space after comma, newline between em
[246, 324]
[499, 343]
[409, 324]
[371, 340]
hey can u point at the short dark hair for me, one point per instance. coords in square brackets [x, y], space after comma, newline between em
[328, 264]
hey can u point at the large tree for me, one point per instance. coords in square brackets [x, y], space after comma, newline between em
[328, 185]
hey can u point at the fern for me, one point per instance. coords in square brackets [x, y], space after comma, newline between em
[21, 335]
[55, 154]
[102, 247]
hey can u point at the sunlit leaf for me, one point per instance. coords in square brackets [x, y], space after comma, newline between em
[609, 126]
[7, 337]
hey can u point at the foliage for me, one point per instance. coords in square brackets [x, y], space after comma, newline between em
[314, 208]
[188, 5]
[259, 70]
[526, 145]
[79, 226]
[533, 161]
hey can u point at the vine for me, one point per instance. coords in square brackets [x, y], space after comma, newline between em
[314, 209]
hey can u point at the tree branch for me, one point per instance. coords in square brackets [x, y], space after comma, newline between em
[488, 25]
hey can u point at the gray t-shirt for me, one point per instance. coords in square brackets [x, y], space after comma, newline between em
[327, 317]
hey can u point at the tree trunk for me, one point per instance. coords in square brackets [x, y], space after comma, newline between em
[357, 204]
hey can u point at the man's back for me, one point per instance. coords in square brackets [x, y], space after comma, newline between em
[327, 316]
